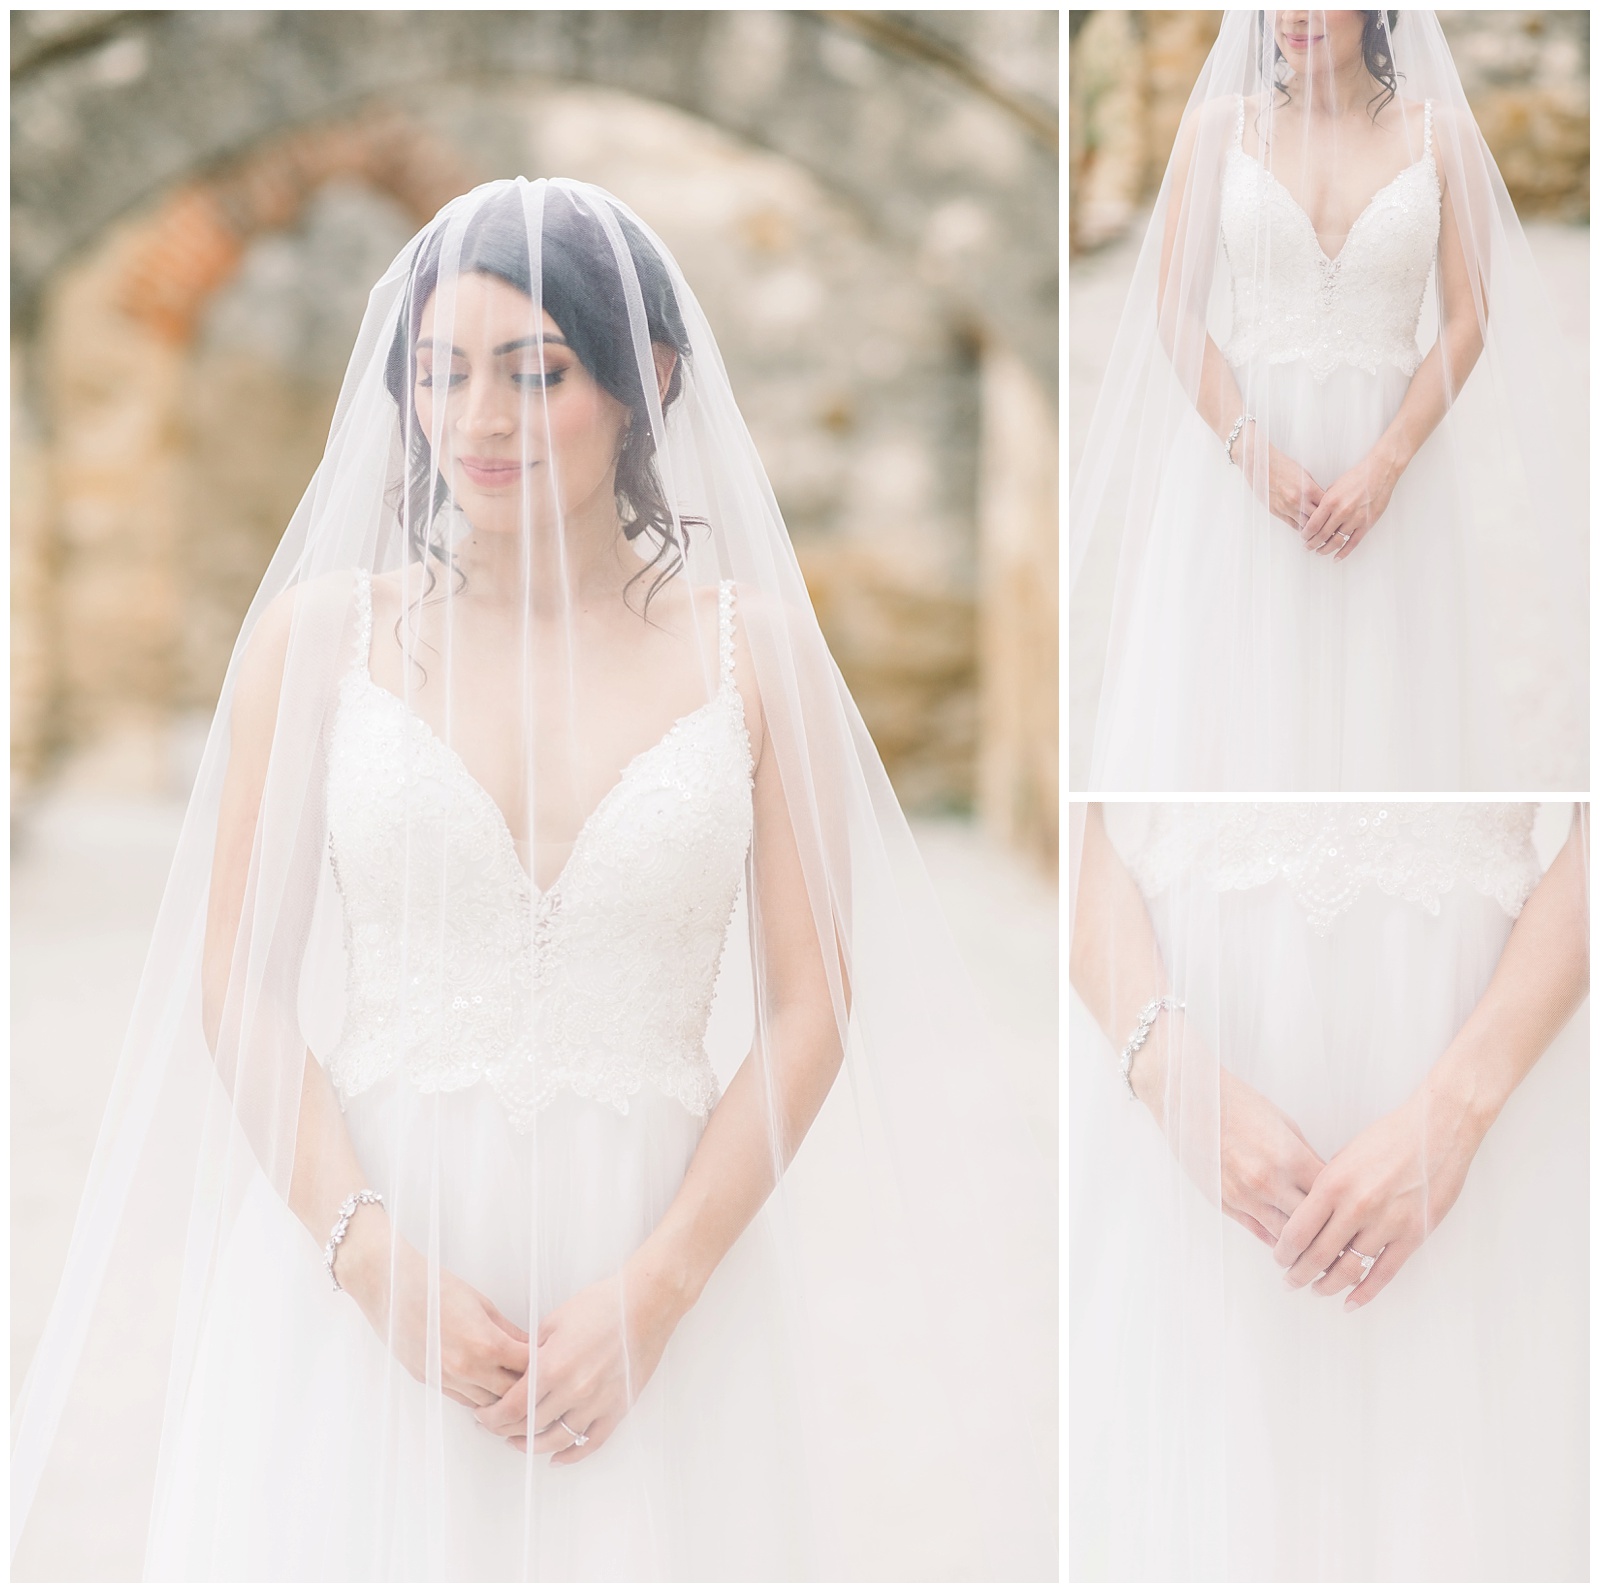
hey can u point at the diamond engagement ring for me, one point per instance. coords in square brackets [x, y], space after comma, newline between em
[1366, 1260]
[578, 1439]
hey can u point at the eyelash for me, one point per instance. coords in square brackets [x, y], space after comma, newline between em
[536, 378]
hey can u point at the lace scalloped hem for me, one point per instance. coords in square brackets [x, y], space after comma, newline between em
[523, 1095]
[1328, 854]
[1257, 350]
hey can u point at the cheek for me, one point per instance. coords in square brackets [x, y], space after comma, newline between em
[585, 431]
[422, 401]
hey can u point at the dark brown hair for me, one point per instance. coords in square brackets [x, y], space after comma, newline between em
[582, 288]
[1376, 56]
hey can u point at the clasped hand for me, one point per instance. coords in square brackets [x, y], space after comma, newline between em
[1381, 1196]
[595, 1351]
[1331, 520]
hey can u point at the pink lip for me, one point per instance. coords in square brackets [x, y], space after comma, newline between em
[490, 472]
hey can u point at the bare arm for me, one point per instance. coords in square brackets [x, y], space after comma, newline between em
[1386, 1191]
[325, 1166]
[1185, 281]
[1188, 260]
[1116, 964]
[775, 1096]
[1259, 1164]
[1455, 351]
[1541, 976]
[483, 1353]
[1353, 503]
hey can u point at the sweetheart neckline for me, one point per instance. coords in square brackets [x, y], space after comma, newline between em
[550, 893]
[1305, 215]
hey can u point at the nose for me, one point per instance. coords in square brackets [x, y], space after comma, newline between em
[488, 409]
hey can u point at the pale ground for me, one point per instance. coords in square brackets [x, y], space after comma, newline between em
[87, 876]
[1097, 288]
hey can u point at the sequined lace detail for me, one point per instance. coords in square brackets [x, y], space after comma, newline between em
[1328, 853]
[461, 970]
[1291, 302]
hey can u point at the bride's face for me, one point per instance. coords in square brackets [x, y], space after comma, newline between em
[1319, 41]
[525, 434]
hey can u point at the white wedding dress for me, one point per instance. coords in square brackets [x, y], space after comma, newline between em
[514, 1057]
[1239, 661]
[1224, 1428]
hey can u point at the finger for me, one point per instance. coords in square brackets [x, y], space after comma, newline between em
[512, 1354]
[1249, 1224]
[1304, 1224]
[507, 1413]
[553, 1403]
[1390, 1262]
[1319, 1255]
[1302, 1169]
[1328, 529]
[504, 1323]
[473, 1395]
[555, 1437]
[1354, 542]
[597, 1433]
[1345, 1270]
[1315, 519]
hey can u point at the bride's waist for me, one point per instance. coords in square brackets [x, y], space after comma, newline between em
[1267, 346]
[531, 1067]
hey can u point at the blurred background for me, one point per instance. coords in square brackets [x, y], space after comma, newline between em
[1130, 73]
[865, 203]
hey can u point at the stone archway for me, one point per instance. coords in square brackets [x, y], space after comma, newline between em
[928, 141]
[122, 107]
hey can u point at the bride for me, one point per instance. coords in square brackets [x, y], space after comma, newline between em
[1329, 527]
[554, 1140]
[1329, 1108]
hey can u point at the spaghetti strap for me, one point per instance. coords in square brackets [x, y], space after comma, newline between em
[1427, 128]
[1238, 126]
[363, 636]
[725, 632]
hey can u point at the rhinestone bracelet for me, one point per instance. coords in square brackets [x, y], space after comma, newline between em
[1233, 436]
[362, 1197]
[1141, 1033]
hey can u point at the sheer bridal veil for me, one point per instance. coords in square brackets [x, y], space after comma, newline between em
[1479, 597]
[913, 1233]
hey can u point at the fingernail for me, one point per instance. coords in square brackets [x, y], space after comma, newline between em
[1353, 1305]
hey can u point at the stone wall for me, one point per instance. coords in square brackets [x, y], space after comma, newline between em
[1525, 73]
[176, 390]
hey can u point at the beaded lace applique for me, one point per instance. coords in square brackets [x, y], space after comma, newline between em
[461, 970]
[1291, 302]
[1328, 853]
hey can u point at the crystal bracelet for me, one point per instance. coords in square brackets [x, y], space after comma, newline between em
[1141, 1033]
[1233, 436]
[362, 1197]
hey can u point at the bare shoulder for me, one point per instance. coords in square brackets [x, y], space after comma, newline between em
[309, 613]
[1211, 124]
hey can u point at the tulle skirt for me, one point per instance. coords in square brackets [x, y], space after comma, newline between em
[1223, 1427]
[303, 1451]
[1239, 661]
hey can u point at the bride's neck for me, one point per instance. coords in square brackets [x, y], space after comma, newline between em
[582, 564]
[1338, 94]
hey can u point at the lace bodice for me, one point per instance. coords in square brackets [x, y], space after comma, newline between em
[1328, 853]
[460, 969]
[1291, 302]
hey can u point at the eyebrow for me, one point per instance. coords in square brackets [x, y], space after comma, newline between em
[501, 348]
